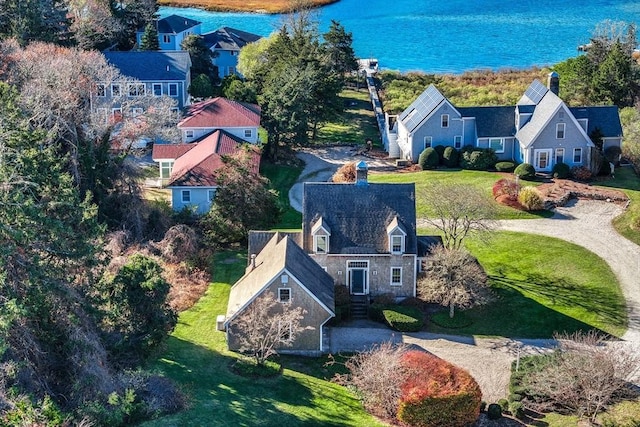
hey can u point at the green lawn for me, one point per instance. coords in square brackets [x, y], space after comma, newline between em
[355, 125]
[627, 224]
[197, 359]
[282, 179]
[543, 285]
[482, 180]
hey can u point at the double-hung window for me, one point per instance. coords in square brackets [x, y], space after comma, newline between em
[444, 120]
[457, 141]
[186, 196]
[321, 244]
[284, 295]
[136, 89]
[115, 89]
[497, 145]
[173, 89]
[397, 244]
[396, 276]
[157, 89]
[101, 90]
[559, 155]
[560, 130]
[428, 141]
[577, 155]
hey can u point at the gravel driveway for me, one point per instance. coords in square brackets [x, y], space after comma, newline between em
[585, 223]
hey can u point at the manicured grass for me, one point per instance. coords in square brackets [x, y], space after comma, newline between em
[482, 180]
[197, 359]
[263, 6]
[544, 285]
[627, 224]
[357, 123]
[282, 179]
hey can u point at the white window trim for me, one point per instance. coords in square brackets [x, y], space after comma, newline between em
[116, 112]
[166, 38]
[444, 120]
[315, 243]
[136, 111]
[457, 141]
[391, 282]
[153, 88]
[188, 134]
[119, 90]
[280, 299]
[557, 154]
[104, 90]
[183, 193]
[173, 85]
[560, 127]
[391, 238]
[248, 133]
[140, 89]
[166, 165]
[428, 140]
[575, 151]
[501, 143]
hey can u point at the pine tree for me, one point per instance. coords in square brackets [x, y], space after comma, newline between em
[150, 38]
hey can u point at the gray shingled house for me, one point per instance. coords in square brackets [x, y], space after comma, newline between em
[540, 129]
[362, 236]
[283, 269]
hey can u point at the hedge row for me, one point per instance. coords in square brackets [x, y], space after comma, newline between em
[468, 158]
[437, 393]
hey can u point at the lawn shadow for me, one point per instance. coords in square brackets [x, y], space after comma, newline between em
[219, 397]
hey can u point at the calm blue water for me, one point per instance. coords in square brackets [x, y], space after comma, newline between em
[452, 35]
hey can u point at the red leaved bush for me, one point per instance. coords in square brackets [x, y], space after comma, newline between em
[437, 393]
[505, 187]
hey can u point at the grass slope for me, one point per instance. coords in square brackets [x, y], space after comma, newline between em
[482, 180]
[628, 223]
[197, 359]
[544, 285]
[282, 179]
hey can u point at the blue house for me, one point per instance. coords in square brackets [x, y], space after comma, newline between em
[172, 30]
[540, 129]
[225, 43]
[157, 72]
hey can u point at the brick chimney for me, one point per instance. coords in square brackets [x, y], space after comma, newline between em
[553, 82]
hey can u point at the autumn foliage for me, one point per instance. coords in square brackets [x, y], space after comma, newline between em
[437, 393]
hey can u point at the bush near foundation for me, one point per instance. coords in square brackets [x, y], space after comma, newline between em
[525, 171]
[505, 166]
[429, 159]
[530, 198]
[479, 159]
[450, 157]
[437, 393]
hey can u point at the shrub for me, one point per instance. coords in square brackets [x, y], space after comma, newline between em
[505, 187]
[530, 199]
[341, 295]
[517, 409]
[505, 166]
[450, 157]
[561, 171]
[437, 393]
[504, 404]
[346, 173]
[404, 319]
[440, 150]
[478, 158]
[494, 412]
[581, 173]
[429, 159]
[525, 171]
[375, 312]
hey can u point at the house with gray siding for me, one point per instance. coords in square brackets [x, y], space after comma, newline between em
[283, 270]
[540, 129]
[172, 30]
[157, 73]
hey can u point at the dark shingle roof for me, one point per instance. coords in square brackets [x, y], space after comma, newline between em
[151, 65]
[175, 24]
[280, 253]
[259, 239]
[492, 121]
[227, 38]
[605, 118]
[359, 215]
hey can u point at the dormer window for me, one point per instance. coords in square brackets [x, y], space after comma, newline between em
[397, 244]
[321, 233]
[320, 244]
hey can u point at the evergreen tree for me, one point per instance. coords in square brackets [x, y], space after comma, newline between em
[338, 44]
[201, 57]
[149, 39]
[615, 81]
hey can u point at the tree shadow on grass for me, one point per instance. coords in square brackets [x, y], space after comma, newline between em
[219, 397]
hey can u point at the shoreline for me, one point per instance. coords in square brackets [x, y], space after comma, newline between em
[259, 7]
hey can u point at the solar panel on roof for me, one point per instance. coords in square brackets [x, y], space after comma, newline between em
[421, 107]
[536, 91]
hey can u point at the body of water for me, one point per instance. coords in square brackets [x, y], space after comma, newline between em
[450, 36]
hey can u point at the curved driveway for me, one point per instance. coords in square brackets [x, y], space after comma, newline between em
[585, 223]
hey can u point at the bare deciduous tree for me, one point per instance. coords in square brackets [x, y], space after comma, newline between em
[266, 326]
[378, 375]
[456, 210]
[587, 375]
[454, 278]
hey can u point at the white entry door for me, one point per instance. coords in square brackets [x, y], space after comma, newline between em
[542, 160]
